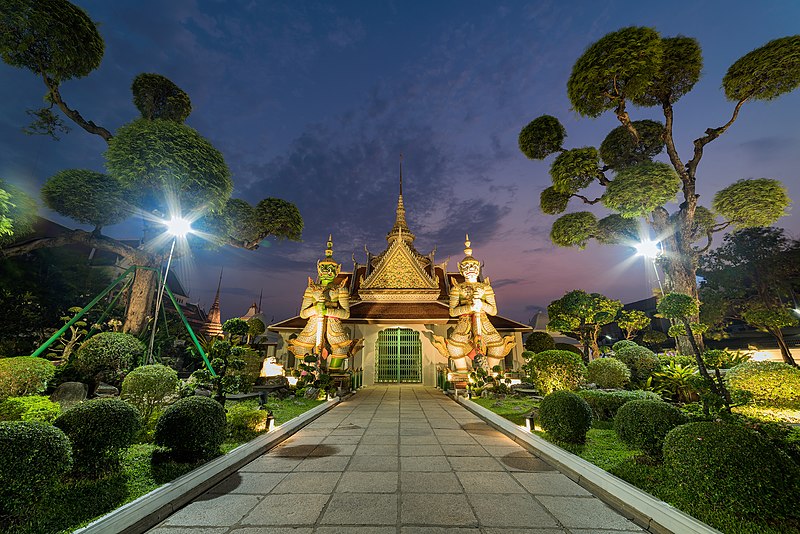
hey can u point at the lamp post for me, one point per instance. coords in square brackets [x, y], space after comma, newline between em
[652, 250]
[176, 227]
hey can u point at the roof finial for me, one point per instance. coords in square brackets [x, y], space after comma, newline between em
[401, 174]
[259, 299]
[219, 285]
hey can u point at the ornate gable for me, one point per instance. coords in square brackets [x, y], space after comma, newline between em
[400, 275]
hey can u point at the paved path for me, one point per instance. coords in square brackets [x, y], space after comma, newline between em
[398, 459]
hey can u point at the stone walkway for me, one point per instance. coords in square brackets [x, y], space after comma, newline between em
[398, 459]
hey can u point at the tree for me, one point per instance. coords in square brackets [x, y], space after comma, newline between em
[639, 66]
[539, 342]
[681, 308]
[632, 321]
[153, 164]
[17, 213]
[583, 314]
[749, 277]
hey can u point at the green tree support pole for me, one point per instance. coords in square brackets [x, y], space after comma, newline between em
[189, 329]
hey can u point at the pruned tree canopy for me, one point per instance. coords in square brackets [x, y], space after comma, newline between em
[158, 158]
[156, 97]
[758, 202]
[620, 65]
[51, 37]
[87, 197]
[619, 149]
[552, 202]
[541, 137]
[636, 191]
[765, 73]
[575, 169]
[574, 229]
[615, 229]
[681, 64]
[17, 213]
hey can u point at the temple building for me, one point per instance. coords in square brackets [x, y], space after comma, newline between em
[399, 304]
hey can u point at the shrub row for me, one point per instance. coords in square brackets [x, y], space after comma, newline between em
[554, 370]
[605, 404]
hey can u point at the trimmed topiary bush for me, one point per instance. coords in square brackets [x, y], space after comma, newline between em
[605, 404]
[31, 408]
[539, 342]
[570, 348]
[99, 430]
[565, 416]
[608, 373]
[731, 468]
[623, 344]
[107, 356]
[245, 422]
[640, 360]
[554, 370]
[33, 456]
[150, 388]
[772, 384]
[644, 423]
[24, 375]
[193, 429]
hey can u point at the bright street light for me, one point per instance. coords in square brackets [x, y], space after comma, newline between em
[648, 249]
[177, 227]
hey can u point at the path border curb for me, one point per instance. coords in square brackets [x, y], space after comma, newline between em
[150, 509]
[642, 508]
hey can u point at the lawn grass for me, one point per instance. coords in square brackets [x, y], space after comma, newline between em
[75, 503]
[604, 449]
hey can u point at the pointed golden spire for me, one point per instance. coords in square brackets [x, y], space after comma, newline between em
[467, 249]
[329, 250]
[400, 229]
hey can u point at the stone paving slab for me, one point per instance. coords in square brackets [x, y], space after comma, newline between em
[400, 460]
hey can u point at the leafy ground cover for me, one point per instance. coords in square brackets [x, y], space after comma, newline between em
[604, 449]
[75, 503]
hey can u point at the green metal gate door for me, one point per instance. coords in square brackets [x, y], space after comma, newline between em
[398, 356]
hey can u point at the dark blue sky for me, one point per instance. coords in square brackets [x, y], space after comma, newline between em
[313, 102]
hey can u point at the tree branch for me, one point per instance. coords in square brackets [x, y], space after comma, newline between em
[77, 118]
[711, 134]
[669, 142]
[586, 200]
[100, 242]
[719, 227]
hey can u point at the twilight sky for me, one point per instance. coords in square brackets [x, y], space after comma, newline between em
[313, 102]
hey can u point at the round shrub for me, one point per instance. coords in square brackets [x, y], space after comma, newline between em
[193, 428]
[608, 373]
[32, 408]
[245, 422]
[623, 344]
[150, 388]
[99, 430]
[731, 468]
[640, 360]
[569, 347]
[644, 423]
[539, 342]
[605, 404]
[33, 456]
[554, 370]
[108, 355]
[773, 384]
[24, 375]
[565, 416]
[677, 359]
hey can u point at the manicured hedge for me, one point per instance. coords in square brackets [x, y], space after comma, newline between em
[772, 384]
[99, 430]
[565, 416]
[193, 428]
[24, 375]
[731, 468]
[608, 373]
[33, 456]
[643, 424]
[605, 404]
[554, 370]
[31, 408]
[640, 360]
[107, 356]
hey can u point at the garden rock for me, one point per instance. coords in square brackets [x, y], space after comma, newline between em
[106, 390]
[312, 393]
[70, 393]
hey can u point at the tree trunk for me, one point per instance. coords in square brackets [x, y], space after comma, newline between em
[140, 301]
[595, 347]
[785, 352]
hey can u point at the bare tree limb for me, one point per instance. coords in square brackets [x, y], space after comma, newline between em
[711, 134]
[586, 200]
[100, 242]
[77, 118]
